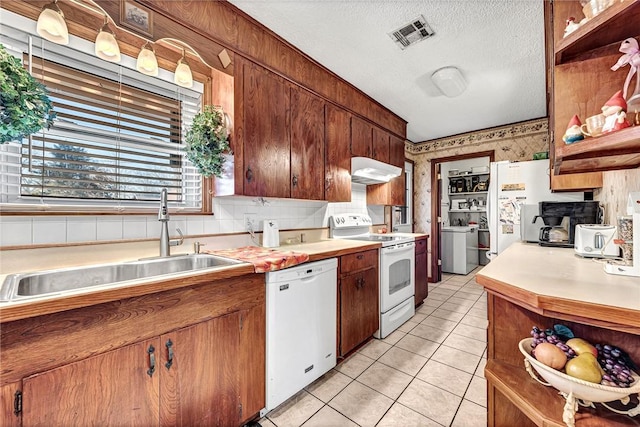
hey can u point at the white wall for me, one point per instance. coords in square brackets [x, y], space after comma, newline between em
[228, 217]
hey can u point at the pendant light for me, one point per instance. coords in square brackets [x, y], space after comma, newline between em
[51, 24]
[106, 45]
[147, 62]
[183, 76]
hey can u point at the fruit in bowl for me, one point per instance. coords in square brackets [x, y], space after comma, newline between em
[600, 364]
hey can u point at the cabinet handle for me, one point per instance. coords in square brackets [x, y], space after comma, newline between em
[169, 346]
[327, 183]
[362, 283]
[249, 174]
[360, 256]
[294, 180]
[152, 361]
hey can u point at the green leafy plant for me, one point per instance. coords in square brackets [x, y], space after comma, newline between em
[207, 140]
[25, 107]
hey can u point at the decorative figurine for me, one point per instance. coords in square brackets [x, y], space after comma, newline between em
[571, 26]
[615, 112]
[632, 57]
[573, 133]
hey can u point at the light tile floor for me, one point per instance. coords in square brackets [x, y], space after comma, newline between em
[429, 372]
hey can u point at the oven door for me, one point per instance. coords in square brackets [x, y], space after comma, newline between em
[397, 274]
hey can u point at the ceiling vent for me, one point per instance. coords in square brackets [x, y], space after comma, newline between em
[411, 33]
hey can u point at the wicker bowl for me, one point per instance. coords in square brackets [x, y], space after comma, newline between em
[584, 390]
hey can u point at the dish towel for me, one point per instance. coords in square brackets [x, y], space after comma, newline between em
[263, 259]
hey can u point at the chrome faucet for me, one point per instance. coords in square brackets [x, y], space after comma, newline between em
[163, 217]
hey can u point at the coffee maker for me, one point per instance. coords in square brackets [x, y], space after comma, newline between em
[561, 218]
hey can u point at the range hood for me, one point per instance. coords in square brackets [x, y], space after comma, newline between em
[370, 171]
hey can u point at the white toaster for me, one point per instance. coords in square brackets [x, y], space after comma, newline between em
[596, 241]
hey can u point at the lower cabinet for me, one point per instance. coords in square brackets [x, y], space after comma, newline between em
[358, 305]
[186, 376]
[422, 286]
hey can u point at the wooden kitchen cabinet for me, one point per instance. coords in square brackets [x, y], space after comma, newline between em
[380, 145]
[337, 167]
[358, 304]
[422, 286]
[361, 137]
[264, 134]
[583, 82]
[307, 146]
[10, 404]
[92, 365]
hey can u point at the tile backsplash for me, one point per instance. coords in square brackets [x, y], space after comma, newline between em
[229, 217]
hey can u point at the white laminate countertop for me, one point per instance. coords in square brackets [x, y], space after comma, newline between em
[559, 273]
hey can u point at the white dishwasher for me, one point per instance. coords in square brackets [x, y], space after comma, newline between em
[301, 327]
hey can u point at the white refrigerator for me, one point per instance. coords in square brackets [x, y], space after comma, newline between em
[511, 185]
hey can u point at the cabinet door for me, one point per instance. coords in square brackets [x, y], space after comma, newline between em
[380, 145]
[359, 310]
[337, 155]
[201, 385]
[8, 418]
[396, 151]
[422, 287]
[307, 146]
[112, 388]
[267, 163]
[361, 134]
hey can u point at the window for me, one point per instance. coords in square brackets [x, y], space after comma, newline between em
[116, 141]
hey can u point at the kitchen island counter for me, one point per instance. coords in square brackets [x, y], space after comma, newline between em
[528, 285]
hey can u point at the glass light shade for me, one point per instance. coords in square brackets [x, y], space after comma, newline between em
[147, 62]
[51, 24]
[450, 81]
[183, 76]
[106, 45]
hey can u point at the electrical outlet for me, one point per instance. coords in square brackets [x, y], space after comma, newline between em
[250, 222]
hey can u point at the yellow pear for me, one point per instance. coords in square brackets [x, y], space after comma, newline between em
[584, 366]
[579, 346]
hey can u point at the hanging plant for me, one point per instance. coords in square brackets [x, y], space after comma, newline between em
[207, 140]
[25, 107]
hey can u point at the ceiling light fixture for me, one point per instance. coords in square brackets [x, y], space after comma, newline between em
[51, 24]
[450, 81]
[106, 44]
[147, 62]
[183, 76]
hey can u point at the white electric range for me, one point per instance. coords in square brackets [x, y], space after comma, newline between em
[396, 267]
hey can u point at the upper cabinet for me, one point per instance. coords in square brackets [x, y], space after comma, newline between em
[337, 168]
[361, 135]
[380, 145]
[263, 145]
[583, 82]
[307, 145]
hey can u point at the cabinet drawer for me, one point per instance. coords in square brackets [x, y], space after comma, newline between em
[358, 261]
[421, 246]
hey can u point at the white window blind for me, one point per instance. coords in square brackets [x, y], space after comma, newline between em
[117, 138]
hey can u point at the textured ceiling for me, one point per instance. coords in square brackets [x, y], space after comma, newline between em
[497, 44]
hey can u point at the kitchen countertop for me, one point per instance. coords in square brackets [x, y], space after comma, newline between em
[41, 259]
[554, 280]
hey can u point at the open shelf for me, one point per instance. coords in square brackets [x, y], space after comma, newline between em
[612, 25]
[614, 150]
[543, 405]
[467, 210]
[464, 175]
[468, 193]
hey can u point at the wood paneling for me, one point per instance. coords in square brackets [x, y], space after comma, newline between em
[337, 154]
[307, 145]
[246, 37]
[396, 151]
[422, 287]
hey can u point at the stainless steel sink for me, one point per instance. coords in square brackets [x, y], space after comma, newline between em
[41, 283]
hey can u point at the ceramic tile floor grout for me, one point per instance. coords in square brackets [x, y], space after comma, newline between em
[417, 402]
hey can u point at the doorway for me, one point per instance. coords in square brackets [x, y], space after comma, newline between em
[436, 207]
